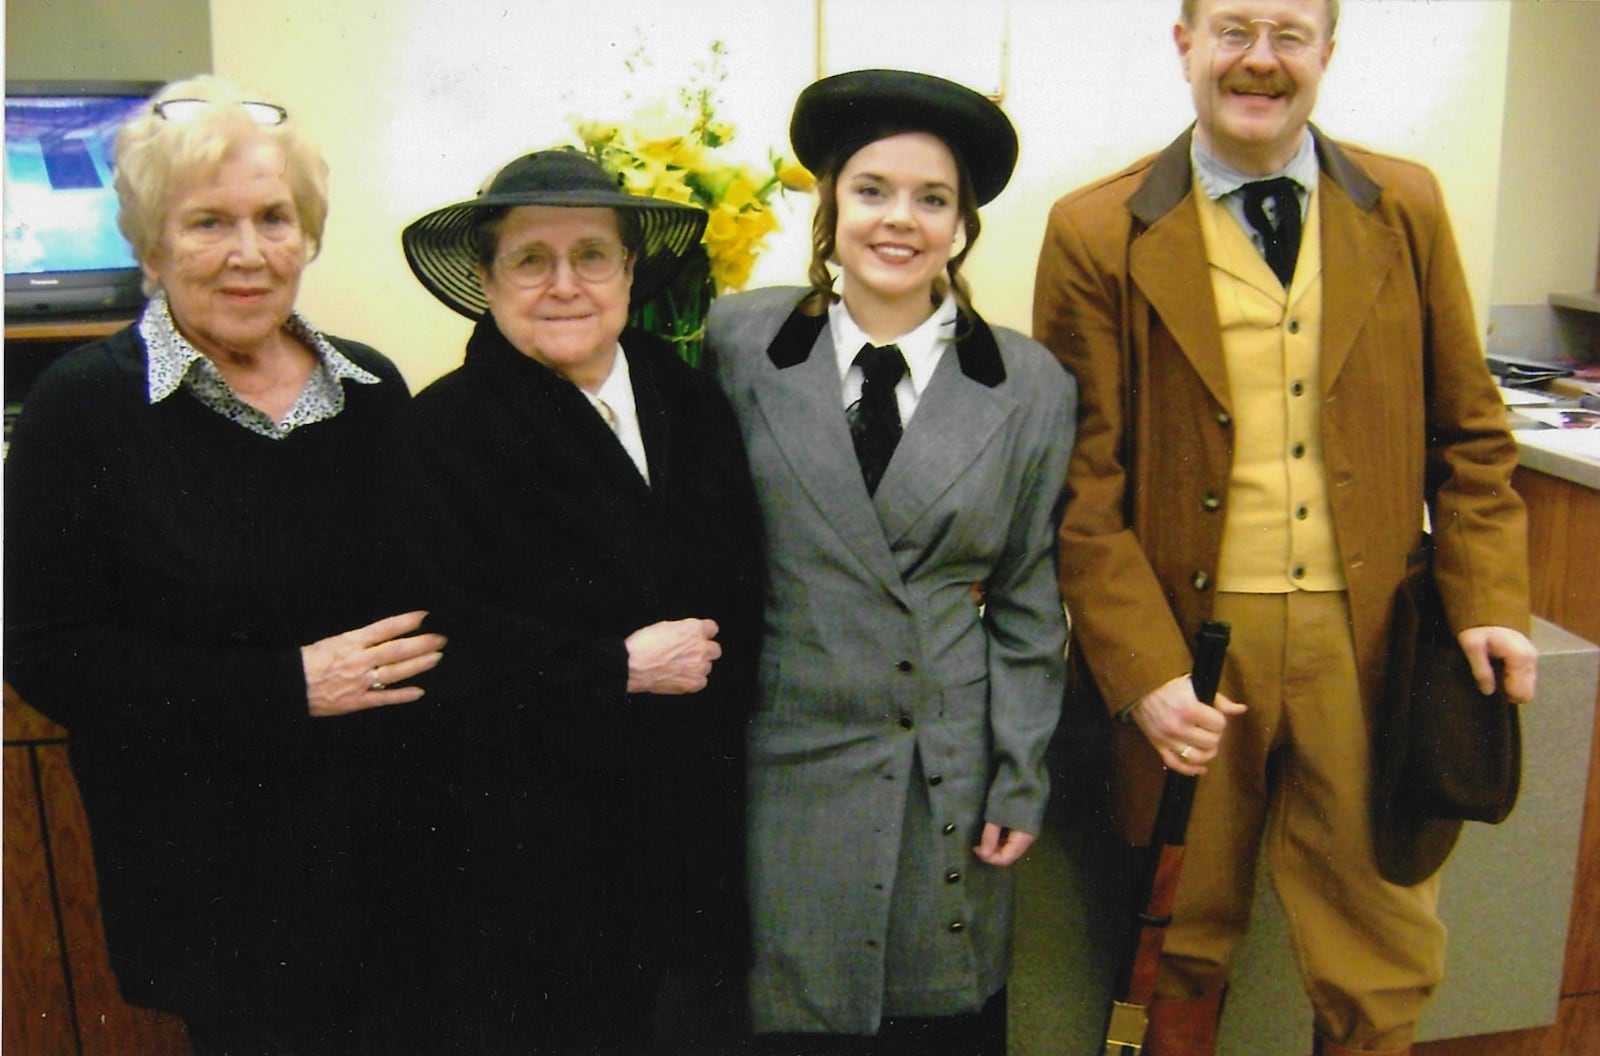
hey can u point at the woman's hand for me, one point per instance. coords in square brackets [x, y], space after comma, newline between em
[1002, 847]
[357, 670]
[673, 656]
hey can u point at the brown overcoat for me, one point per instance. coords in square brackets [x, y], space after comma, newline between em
[1411, 416]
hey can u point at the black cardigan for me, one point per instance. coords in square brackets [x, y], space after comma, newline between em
[163, 567]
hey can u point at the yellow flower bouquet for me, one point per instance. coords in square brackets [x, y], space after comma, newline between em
[676, 152]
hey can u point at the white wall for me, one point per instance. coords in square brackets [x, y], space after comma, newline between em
[1549, 202]
[416, 101]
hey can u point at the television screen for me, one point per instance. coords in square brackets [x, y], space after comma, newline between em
[63, 252]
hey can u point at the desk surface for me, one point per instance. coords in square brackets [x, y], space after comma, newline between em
[1563, 453]
[64, 329]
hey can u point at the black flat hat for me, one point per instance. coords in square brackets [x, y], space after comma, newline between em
[838, 115]
[439, 249]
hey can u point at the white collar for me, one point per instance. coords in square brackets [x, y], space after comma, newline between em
[617, 389]
[921, 347]
[617, 392]
[1218, 178]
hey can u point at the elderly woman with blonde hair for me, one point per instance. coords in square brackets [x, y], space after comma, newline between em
[187, 521]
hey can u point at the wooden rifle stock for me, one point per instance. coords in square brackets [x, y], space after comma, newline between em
[1127, 1018]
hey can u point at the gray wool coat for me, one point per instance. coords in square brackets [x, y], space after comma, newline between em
[895, 714]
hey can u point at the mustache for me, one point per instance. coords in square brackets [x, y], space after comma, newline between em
[1266, 84]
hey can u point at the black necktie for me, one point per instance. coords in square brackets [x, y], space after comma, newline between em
[875, 417]
[1280, 232]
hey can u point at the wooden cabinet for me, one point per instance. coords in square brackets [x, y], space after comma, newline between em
[63, 332]
[1564, 544]
[59, 995]
[1564, 539]
[31, 346]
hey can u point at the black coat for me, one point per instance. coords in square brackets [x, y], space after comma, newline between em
[569, 845]
[163, 568]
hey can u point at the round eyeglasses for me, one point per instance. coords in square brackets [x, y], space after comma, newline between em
[535, 265]
[1287, 41]
[180, 110]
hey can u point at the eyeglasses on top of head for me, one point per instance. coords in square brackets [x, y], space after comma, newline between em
[535, 265]
[1287, 41]
[180, 110]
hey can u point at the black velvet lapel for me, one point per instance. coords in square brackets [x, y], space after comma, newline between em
[978, 352]
[792, 345]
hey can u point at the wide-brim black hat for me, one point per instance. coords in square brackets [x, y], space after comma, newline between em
[439, 248]
[839, 115]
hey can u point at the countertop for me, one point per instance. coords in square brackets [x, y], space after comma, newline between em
[1570, 453]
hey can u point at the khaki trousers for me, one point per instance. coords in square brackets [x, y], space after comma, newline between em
[1292, 782]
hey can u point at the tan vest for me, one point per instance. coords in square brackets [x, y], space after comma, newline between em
[1278, 535]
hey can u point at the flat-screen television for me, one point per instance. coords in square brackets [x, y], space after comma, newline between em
[63, 253]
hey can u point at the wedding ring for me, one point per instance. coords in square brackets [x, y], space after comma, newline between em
[1184, 755]
[377, 686]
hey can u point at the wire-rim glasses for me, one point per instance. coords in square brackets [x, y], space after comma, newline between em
[1287, 41]
[535, 265]
[181, 110]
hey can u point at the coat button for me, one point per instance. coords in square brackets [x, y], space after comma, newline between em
[936, 780]
[1298, 450]
[1298, 572]
[1211, 502]
[949, 829]
[905, 722]
[1298, 388]
[1301, 512]
[904, 665]
[1200, 580]
[1224, 419]
[956, 925]
[953, 876]
[1294, 326]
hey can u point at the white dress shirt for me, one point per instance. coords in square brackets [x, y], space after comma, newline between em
[922, 349]
[616, 392]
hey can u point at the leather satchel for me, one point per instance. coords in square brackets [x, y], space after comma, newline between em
[1443, 752]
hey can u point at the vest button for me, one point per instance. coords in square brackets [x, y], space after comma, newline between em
[1211, 502]
[1298, 450]
[1294, 326]
[1298, 388]
[1200, 580]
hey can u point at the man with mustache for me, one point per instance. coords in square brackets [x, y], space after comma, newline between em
[1279, 371]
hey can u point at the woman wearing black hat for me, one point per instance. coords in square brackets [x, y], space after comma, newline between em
[909, 460]
[578, 503]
